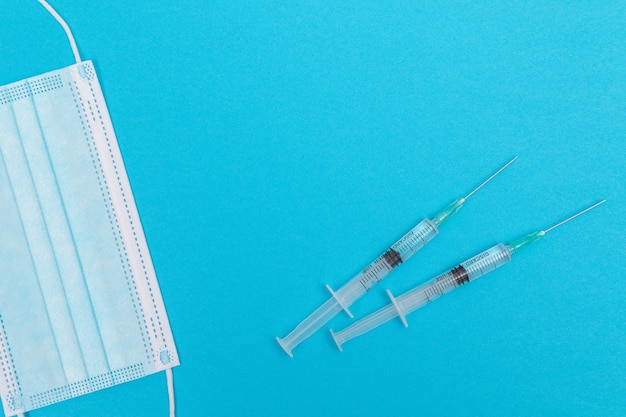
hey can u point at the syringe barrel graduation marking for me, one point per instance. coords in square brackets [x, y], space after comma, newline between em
[467, 271]
[407, 246]
[410, 301]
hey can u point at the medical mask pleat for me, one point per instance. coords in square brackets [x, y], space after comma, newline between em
[62, 236]
[41, 358]
[16, 145]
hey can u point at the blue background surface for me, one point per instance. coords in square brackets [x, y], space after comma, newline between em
[274, 147]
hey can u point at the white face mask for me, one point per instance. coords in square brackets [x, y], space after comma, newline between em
[80, 306]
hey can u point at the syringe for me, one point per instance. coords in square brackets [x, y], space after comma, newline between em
[467, 271]
[398, 253]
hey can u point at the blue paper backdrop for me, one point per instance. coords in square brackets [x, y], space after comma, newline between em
[274, 147]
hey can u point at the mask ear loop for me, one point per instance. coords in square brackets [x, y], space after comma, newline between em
[66, 28]
[170, 391]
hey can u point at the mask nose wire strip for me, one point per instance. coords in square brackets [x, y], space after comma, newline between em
[170, 391]
[66, 28]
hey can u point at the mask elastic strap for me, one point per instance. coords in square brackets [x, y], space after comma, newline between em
[170, 391]
[66, 28]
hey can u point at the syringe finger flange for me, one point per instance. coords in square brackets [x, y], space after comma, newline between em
[398, 308]
[339, 301]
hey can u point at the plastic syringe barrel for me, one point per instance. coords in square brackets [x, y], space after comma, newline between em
[399, 252]
[410, 301]
[407, 246]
